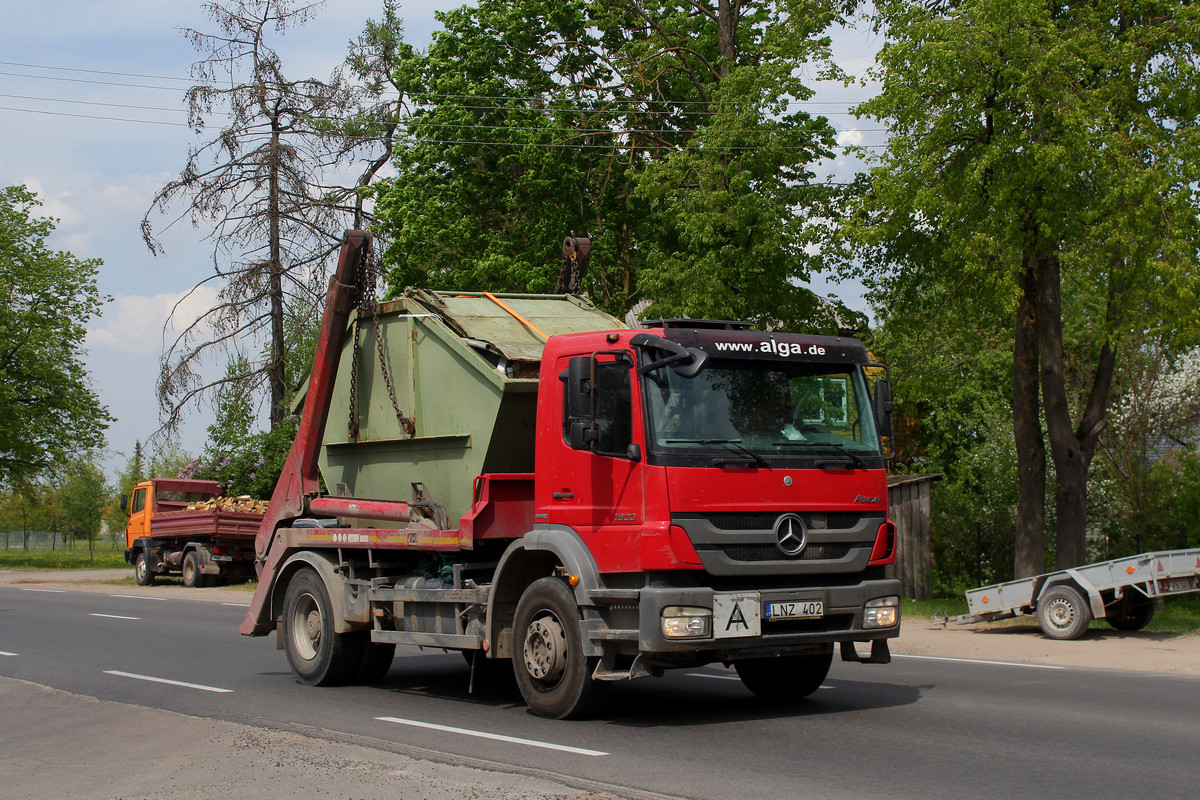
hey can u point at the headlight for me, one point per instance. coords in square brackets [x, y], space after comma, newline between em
[686, 622]
[882, 612]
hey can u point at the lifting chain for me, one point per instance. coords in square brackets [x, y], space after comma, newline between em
[365, 282]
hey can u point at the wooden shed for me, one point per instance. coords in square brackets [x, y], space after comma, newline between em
[908, 507]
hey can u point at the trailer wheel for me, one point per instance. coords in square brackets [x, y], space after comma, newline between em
[1063, 613]
[318, 656]
[191, 570]
[551, 671]
[1130, 614]
[784, 679]
[141, 569]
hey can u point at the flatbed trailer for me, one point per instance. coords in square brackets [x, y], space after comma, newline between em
[1125, 592]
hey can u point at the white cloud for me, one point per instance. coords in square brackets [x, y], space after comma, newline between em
[134, 323]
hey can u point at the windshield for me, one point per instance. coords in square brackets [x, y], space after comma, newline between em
[766, 408]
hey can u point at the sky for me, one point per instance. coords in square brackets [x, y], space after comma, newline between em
[92, 118]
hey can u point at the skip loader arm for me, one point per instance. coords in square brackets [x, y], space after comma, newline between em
[299, 479]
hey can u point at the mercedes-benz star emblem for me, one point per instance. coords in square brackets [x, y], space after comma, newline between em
[790, 534]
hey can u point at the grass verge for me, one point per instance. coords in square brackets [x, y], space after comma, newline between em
[106, 557]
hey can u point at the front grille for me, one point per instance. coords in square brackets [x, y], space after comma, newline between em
[769, 552]
[765, 520]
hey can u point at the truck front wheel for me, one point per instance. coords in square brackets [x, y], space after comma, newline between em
[318, 656]
[785, 679]
[141, 569]
[551, 671]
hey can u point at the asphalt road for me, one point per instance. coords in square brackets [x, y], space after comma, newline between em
[917, 728]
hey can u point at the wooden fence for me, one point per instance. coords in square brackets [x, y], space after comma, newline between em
[908, 507]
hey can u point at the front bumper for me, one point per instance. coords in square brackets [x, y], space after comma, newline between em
[841, 621]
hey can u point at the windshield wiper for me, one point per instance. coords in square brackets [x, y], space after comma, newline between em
[836, 446]
[736, 444]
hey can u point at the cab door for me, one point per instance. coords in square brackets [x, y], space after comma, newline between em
[598, 492]
[139, 515]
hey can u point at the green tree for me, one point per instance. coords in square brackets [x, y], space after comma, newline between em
[669, 131]
[1045, 154]
[48, 410]
[82, 495]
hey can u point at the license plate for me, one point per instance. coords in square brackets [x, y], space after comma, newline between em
[1179, 584]
[794, 609]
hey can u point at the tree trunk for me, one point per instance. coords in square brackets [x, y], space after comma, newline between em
[726, 24]
[1072, 449]
[1027, 430]
[275, 267]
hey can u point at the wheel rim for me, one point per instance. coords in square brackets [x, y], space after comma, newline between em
[545, 649]
[189, 571]
[307, 627]
[1061, 614]
[139, 568]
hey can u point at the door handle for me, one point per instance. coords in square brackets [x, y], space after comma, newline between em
[563, 495]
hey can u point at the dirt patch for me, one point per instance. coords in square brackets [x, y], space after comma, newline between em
[1101, 648]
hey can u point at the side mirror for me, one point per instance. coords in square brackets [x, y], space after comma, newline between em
[583, 434]
[125, 504]
[580, 403]
[883, 406]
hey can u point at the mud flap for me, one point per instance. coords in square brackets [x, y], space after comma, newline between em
[880, 653]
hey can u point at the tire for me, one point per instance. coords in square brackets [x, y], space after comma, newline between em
[551, 671]
[1130, 613]
[374, 662]
[785, 679]
[1063, 613]
[317, 655]
[192, 576]
[141, 569]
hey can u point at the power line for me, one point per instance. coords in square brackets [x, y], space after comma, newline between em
[93, 116]
[92, 103]
[96, 71]
[84, 80]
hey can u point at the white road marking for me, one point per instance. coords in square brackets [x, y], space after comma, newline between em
[47, 591]
[138, 597]
[978, 661]
[113, 616]
[6, 653]
[152, 679]
[239, 605]
[494, 736]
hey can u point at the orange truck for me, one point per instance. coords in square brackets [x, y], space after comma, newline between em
[204, 546]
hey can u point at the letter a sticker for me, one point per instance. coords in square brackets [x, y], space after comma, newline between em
[736, 617]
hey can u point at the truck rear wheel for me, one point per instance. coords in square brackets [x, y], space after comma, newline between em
[551, 671]
[1063, 613]
[318, 656]
[191, 570]
[141, 569]
[785, 679]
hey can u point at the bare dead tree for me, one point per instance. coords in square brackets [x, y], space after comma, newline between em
[260, 183]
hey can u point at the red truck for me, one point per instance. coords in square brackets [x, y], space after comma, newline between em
[204, 546]
[524, 479]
